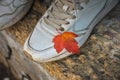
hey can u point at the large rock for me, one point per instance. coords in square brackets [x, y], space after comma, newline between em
[99, 57]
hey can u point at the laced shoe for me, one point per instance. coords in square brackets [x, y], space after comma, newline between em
[77, 16]
[12, 11]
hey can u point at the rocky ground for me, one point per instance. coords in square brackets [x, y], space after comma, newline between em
[99, 57]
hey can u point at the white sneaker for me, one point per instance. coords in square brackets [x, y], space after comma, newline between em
[12, 11]
[78, 18]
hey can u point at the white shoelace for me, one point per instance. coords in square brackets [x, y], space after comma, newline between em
[61, 11]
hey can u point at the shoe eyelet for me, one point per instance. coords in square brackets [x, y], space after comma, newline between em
[74, 17]
[81, 7]
[61, 29]
[67, 23]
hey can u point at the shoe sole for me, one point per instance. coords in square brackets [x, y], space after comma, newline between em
[18, 17]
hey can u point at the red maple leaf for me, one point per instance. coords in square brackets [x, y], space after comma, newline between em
[66, 40]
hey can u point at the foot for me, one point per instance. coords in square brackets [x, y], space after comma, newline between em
[65, 27]
[12, 10]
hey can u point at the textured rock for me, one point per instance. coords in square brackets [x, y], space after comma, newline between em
[99, 57]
